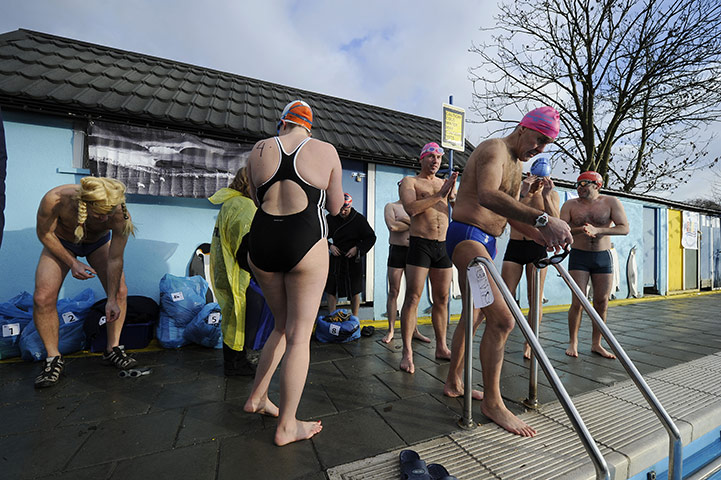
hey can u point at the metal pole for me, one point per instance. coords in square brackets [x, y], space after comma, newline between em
[535, 317]
[675, 462]
[467, 420]
[450, 212]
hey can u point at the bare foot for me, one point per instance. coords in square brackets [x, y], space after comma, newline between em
[419, 336]
[527, 352]
[442, 352]
[407, 364]
[302, 431]
[503, 417]
[265, 407]
[572, 351]
[453, 392]
[388, 337]
[599, 350]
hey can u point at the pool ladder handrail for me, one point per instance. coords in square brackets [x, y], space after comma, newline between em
[675, 455]
[602, 471]
[599, 463]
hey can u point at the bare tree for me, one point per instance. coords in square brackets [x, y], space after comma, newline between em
[637, 83]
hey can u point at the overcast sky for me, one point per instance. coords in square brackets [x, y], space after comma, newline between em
[403, 55]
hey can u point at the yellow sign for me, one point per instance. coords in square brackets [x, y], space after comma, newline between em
[453, 133]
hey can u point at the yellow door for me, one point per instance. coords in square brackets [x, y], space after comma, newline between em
[675, 251]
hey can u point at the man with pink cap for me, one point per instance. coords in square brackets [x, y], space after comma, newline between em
[425, 197]
[487, 200]
[593, 218]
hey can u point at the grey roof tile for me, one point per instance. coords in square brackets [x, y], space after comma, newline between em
[38, 70]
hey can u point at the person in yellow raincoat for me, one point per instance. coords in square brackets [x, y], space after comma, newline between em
[229, 280]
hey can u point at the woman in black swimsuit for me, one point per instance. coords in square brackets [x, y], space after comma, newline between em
[293, 178]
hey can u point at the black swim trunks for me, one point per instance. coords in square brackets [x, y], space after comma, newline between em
[397, 256]
[524, 252]
[428, 253]
[85, 249]
[592, 262]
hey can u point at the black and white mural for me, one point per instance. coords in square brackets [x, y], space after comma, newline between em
[163, 162]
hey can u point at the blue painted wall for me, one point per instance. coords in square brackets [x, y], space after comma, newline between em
[169, 229]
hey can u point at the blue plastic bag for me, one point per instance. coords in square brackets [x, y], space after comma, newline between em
[15, 315]
[204, 329]
[259, 320]
[181, 298]
[71, 336]
[327, 331]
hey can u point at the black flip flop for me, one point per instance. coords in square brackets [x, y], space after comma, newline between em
[439, 472]
[368, 331]
[412, 467]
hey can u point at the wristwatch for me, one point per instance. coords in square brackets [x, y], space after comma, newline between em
[541, 220]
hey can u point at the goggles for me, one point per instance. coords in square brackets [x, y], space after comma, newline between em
[438, 150]
[585, 183]
[553, 260]
[133, 373]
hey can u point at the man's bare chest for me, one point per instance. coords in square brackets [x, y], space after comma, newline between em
[597, 214]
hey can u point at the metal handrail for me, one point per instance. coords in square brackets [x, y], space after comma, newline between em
[675, 458]
[599, 463]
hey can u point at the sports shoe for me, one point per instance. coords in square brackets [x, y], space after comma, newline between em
[51, 372]
[119, 358]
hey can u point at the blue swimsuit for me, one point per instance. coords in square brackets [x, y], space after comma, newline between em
[278, 242]
[459, 231]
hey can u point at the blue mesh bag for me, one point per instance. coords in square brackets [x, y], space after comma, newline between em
[181, 298]
[337, 327]
[15, 315]
[71, 336]
[204, 329]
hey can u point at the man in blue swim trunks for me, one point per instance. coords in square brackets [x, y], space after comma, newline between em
[487, 200]
[88, 220]
[593, 218]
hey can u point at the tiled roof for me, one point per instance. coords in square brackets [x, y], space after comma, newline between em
[60, 75]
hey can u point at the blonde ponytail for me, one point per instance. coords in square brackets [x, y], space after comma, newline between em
[103, 194]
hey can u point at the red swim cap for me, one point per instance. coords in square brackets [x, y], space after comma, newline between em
[545, 120]
[591, 176]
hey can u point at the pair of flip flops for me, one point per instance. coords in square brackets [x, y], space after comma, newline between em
[413, 468]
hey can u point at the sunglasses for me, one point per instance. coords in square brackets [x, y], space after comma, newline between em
[553, 260]
[133, 373]
[585, 183]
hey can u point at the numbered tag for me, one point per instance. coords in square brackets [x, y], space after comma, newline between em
[480, 286]
[177, 296]
[214, 318]
[69, 317]
[11, 330]
[334, 329]
[103, 320]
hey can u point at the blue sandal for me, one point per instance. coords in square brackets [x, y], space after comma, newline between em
[412, 467]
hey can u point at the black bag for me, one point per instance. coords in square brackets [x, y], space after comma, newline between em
[140, 318]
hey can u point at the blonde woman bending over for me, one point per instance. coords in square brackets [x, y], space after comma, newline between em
[88, 220]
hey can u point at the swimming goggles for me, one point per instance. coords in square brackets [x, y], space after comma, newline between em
[553, 260]
[434, 150]
[585, 183]
[133, 372]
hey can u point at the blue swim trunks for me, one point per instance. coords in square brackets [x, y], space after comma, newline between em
[85, 249]
[458, 231]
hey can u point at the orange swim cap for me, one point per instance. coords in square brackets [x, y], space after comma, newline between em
[297, 112]
[592, 176]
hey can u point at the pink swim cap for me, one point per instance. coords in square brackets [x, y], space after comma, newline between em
[545, 120]
[429, 148]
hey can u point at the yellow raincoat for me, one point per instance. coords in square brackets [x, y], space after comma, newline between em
[229, 280]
